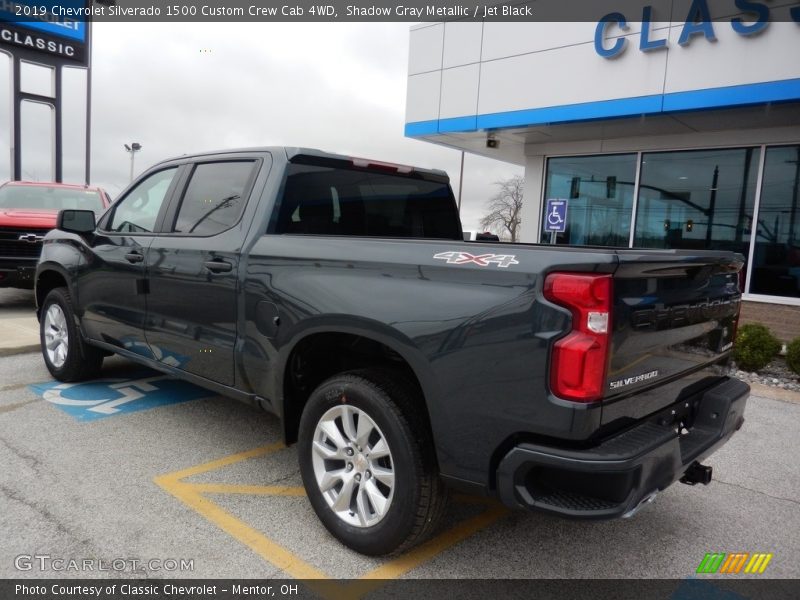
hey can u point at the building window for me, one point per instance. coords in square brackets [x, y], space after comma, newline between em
[776, 256]
[699, 199]
[599, 194]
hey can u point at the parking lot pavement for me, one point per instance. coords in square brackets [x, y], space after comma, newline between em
[206, 479]
[19, 329]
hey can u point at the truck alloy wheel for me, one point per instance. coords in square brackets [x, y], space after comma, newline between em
[353, 465]
[368, 464]
[66, 355]
[56, 335]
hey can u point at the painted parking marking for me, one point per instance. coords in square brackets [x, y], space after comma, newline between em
[194, 496]
[92, 400]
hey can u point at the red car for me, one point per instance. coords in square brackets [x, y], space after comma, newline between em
[28, 210]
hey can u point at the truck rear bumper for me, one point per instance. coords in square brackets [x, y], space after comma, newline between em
[614, 478]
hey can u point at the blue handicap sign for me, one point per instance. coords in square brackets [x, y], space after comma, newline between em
[555, 219]
[92, 400]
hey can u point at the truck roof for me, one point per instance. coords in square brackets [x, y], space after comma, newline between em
[293, 151]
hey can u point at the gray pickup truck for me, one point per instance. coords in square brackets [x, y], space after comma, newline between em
[338, 294]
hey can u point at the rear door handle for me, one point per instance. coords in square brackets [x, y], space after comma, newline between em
[134, 257]
[218, 266]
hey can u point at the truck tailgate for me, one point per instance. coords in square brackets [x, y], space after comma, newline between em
[674, 318]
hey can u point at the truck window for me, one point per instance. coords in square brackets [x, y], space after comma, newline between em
[138, 210]
[327, 200]
[214, 198]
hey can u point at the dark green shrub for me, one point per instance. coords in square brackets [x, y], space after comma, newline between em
[793, 355]
[755, 346]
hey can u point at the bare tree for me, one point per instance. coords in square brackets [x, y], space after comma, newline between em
[503, 216]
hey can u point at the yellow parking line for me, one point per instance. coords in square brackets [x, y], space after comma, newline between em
[224, 462]
[397, 567]
[191, 494]
[262, 490]
[255, 540]
[405, 563]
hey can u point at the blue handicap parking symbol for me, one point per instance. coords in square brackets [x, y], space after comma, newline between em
[555, 216]
[102, 398]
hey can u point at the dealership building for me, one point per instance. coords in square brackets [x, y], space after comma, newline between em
[680, 133]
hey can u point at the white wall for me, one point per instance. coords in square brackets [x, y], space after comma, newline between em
[461, 69]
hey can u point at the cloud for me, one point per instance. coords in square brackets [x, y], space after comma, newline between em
[184, 88]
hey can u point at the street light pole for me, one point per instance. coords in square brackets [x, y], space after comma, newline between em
[132, 150]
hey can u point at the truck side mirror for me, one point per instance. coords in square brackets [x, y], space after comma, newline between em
[76, 221]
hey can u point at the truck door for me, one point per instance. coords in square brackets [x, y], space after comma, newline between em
[192, 269]
[113, 291]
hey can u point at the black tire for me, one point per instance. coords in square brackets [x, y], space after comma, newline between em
[419, 497]
[82, 360]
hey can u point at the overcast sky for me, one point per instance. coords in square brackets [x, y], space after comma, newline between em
[340, 87]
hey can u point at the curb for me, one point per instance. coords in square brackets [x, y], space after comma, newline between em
[11, 351]
[773, 393]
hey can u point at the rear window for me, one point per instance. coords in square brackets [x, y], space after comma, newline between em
[49, 198]
[334, 200]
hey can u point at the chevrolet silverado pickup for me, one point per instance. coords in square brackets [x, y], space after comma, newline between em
[28, 210]
[339, 294]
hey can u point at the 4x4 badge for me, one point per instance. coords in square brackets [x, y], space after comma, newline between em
[483, 260]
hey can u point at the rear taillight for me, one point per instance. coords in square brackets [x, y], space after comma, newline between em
[580, 360]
